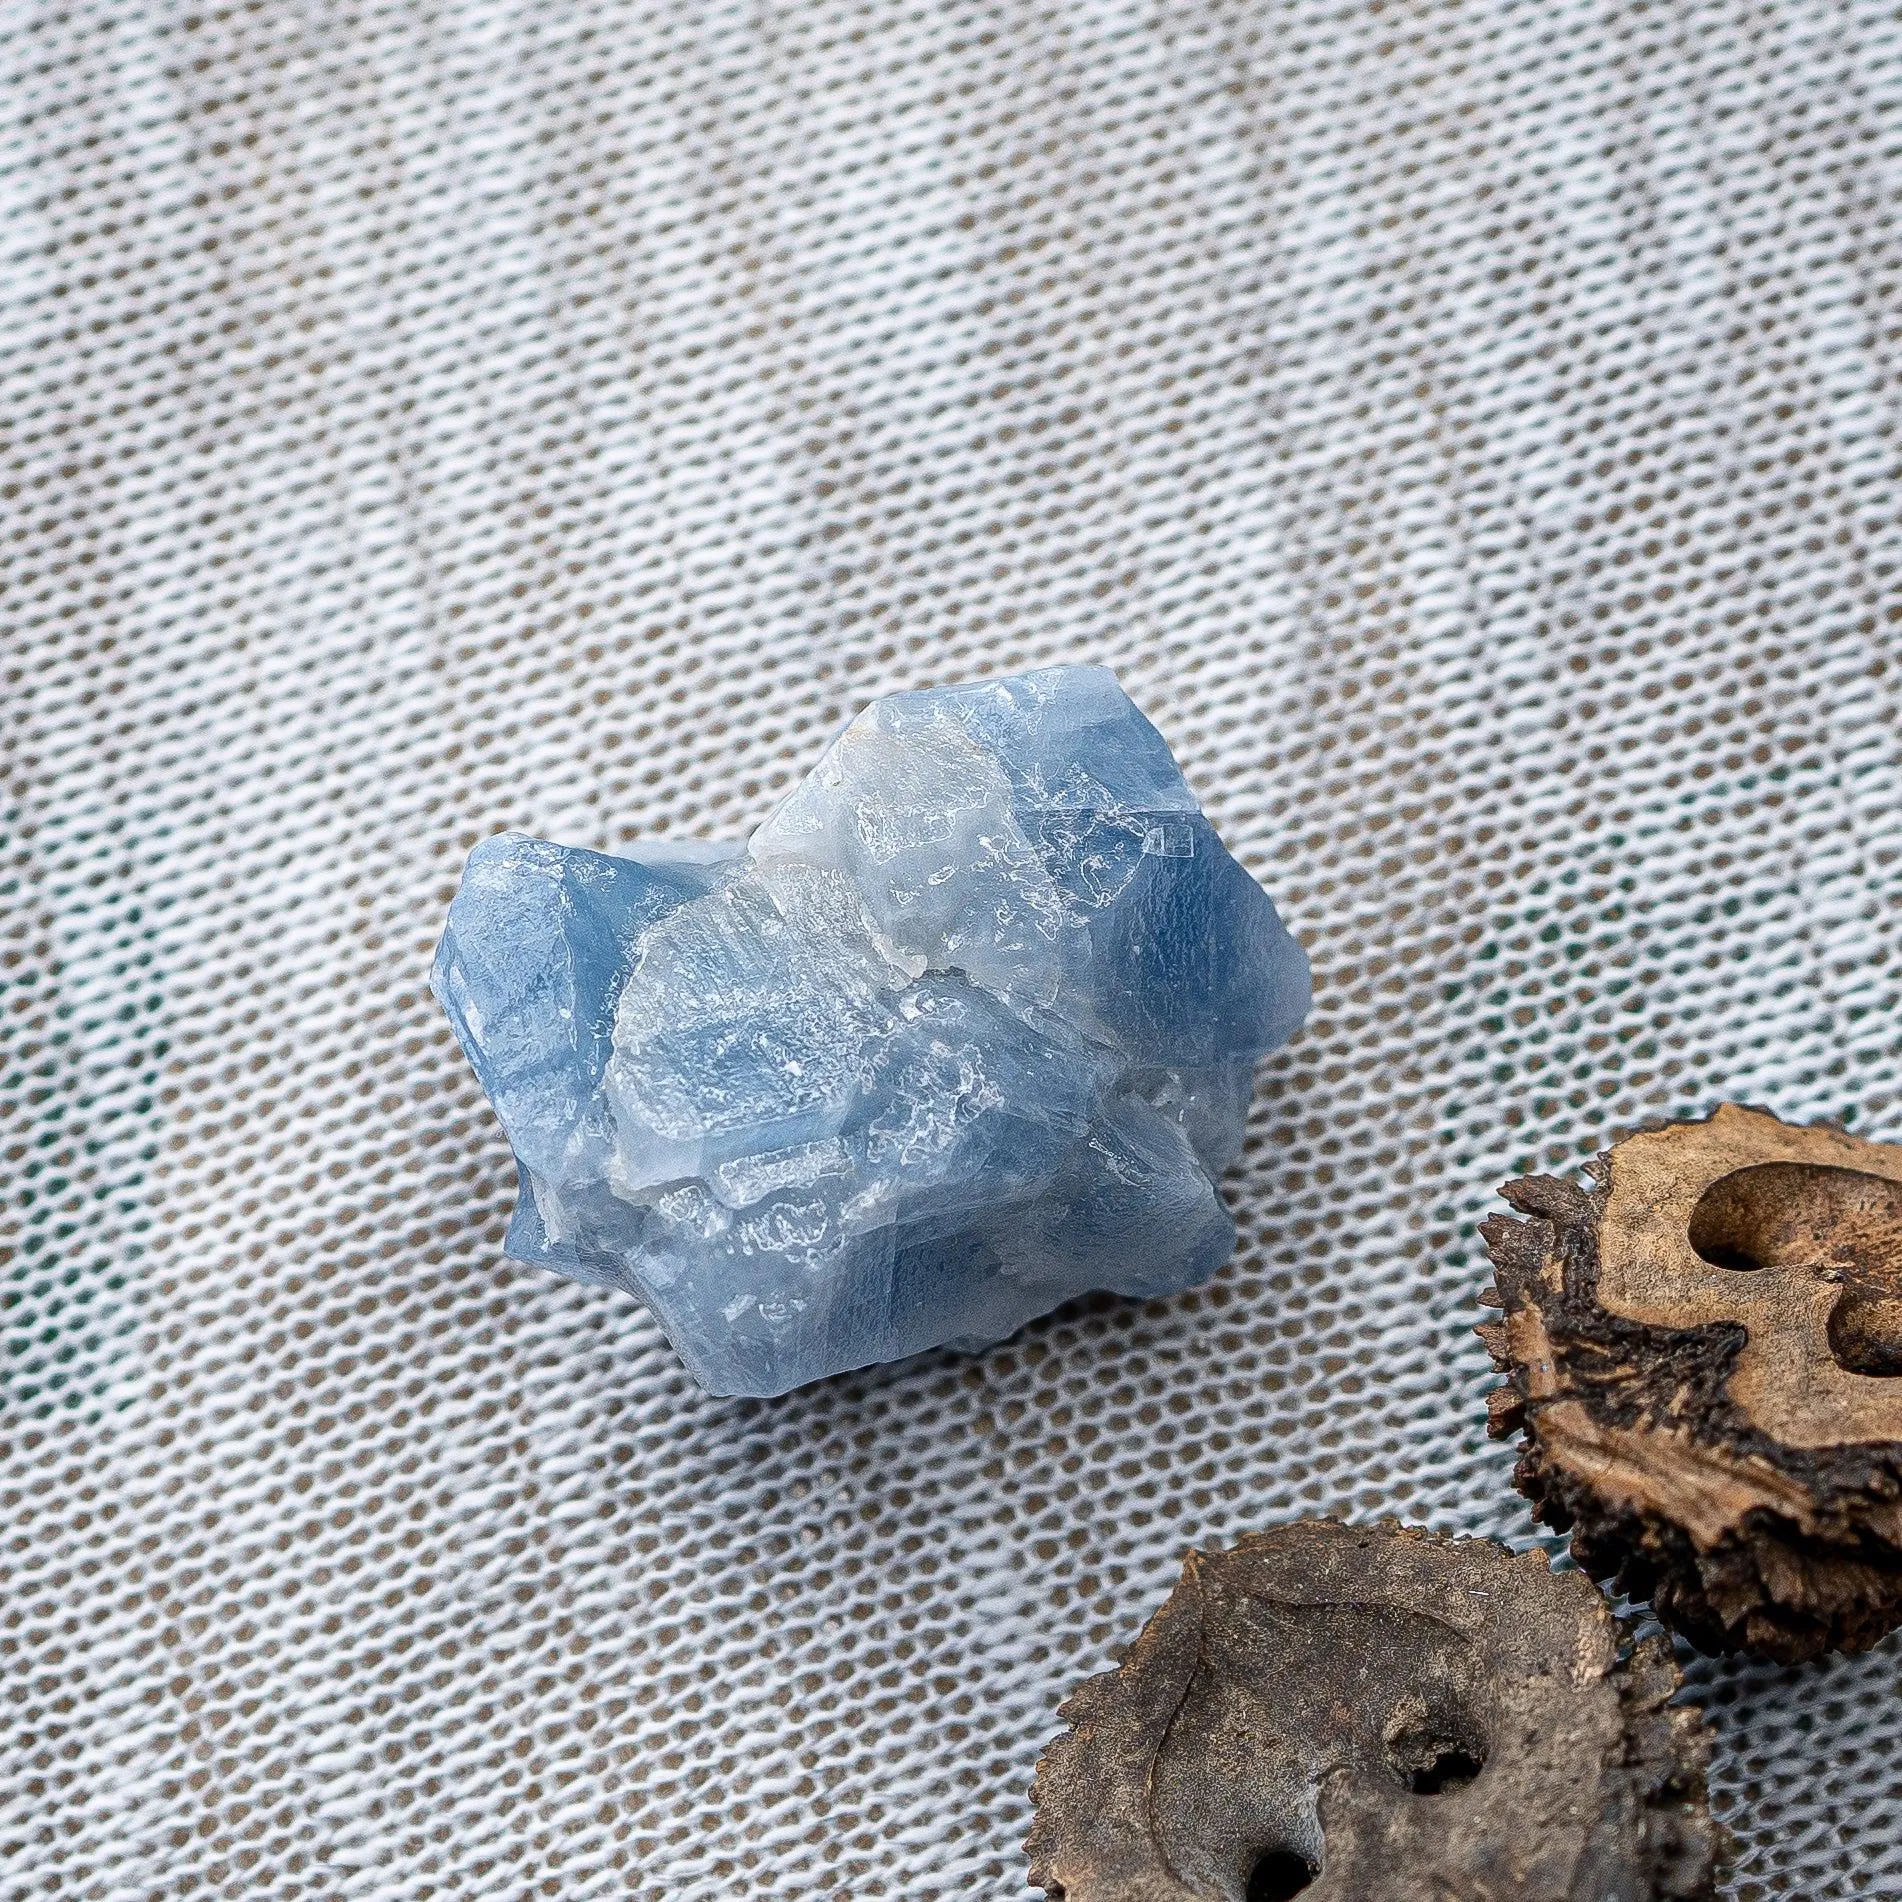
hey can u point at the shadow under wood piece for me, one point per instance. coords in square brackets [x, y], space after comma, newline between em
[1705, 1354]
[1377, 1714]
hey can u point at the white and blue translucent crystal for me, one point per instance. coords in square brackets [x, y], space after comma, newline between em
[967, 1028]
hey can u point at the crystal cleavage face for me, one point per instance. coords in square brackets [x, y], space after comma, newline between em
[966, 1029]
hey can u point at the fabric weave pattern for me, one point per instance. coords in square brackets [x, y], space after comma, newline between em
[1468, 429]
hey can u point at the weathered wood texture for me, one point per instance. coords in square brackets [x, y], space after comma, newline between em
[1376, 1714]
[1703, 1353]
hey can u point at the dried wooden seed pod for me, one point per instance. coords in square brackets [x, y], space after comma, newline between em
[1703, 1352]
[1377, 1714]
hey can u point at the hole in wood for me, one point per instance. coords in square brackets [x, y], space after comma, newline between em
[1452, 1768]
[1278, 1874]
[1843, 1225]
[1432, 1752]
[1865, 1335]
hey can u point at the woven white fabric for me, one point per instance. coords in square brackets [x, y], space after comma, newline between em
[1470, 431]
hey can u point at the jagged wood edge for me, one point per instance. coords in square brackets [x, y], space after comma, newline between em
[1769, 1585]
[1666, 1743]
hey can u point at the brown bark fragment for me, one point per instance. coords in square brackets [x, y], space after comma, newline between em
[1377, 1714]
[1703, 1352]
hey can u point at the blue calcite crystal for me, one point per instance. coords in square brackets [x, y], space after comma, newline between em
[967, 1028]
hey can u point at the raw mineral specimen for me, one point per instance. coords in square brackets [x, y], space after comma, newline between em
[966, 1029]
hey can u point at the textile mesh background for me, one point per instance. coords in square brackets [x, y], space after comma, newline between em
[1469, 428]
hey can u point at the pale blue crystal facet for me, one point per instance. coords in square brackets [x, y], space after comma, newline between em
[967, 1028]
